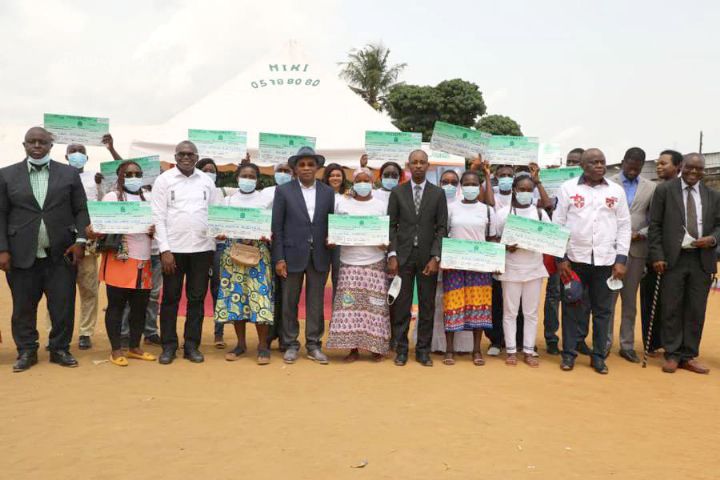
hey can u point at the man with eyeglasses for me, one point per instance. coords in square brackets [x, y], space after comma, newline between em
[43, 216]
[180, 201]
[683, 236]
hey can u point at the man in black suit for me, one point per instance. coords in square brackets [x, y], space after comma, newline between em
[418, 222]
[684, 231]
[43, 215]
[300, 228]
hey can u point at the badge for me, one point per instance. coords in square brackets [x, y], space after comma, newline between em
[578, 200]
[610, 201]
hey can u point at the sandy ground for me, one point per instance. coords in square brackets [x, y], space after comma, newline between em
[222, 420]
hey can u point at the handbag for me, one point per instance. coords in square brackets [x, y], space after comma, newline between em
[245, 255]
[109, 243]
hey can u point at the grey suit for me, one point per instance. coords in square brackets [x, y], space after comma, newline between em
[64, 213]
[637, 258]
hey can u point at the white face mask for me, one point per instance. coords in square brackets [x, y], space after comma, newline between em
[247, 185]
[77, 160]
[133, 184]
[524, 198]
[39, 161]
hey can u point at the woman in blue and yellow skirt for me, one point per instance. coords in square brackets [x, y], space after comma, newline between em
[246, 291]
[127, 272]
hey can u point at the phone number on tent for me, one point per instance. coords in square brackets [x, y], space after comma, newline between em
[290, 81]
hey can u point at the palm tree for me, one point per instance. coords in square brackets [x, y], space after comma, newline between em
[369, 74]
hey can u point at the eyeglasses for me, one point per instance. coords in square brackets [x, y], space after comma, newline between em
[185, 154]
[133, 174]
[37, 142]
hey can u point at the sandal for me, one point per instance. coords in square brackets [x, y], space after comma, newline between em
[511, 359]
[353, 356]
[220, 342]
[263, 356]
[119, 361]
[141, 356]
[448, 360]
[377, 357]
[234, 354]
[531, 360]
[478, 359]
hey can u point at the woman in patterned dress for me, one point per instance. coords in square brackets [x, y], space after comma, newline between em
[245, 293]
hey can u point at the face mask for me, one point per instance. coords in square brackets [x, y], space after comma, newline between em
[362, 188]
[524, 198]
[470, 192]
[389, 183]
[505, 184]
[246, 185]
[450, 190]
[77, 160]
[213, 176]
[281, 178]
[39, 161]
[133, 184]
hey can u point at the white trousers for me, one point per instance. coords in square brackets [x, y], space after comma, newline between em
[513, 293]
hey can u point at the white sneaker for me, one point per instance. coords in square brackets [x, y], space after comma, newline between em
[493, 351]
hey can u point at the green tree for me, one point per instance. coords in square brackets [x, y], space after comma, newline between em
[499, 125]
[416, 108]
[370, 74]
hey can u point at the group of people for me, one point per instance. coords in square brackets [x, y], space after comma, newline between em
[627, 234]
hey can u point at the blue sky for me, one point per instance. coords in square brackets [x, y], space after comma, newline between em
[608, 74]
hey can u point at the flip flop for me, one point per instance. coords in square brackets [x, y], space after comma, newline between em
[531, 360]
[263, 356]
[234, 354]
[478, 359]
[149, 357]
[448, 360]
[511, 359]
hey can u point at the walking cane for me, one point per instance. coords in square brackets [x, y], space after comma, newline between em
[652, 319]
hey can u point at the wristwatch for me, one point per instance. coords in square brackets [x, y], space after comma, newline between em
[437, 259]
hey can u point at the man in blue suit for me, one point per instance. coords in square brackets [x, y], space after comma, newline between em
[300, 228]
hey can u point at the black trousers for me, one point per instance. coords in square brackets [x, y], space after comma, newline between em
[685, 289]
[117, 299]
[193, 268]
[411, 272]
[497, 334]
[647, 291]
[54, 279]
[314, 307]
[276, 328]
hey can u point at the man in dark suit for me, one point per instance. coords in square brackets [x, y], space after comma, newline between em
[43, 215]
[418, 222]
[300, 228]
[684, 231]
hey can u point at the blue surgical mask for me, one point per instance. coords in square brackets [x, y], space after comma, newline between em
[212, 175]
[39, 161]
[389, 183]
[524, 198]
[470, 192]
[450, 190]
[77, 160]
[362, 188]
[505, 184]
[247, 185]
[133, 184]
[281, 178]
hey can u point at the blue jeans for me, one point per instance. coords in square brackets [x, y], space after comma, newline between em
[551, 322]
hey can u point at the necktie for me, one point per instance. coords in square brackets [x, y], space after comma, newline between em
[691, 214]
[417, 198]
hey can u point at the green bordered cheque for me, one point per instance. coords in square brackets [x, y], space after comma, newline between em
[120, 217]
[68, 129]
[471, 255]
[239, 222]
[509, 150]
[223, 146]
[358, 230]
[150, 167]
[458, 140]
[391, 146]
[541, 237]
[276, 148]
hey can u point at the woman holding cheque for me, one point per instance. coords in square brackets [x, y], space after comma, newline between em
[467, 301]
[246, 277]
[361, 317]
[126, 270]
[524, 273]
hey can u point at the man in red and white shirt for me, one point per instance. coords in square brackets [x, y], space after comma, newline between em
[597, 214]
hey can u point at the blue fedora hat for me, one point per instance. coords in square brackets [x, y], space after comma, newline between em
[306, 152]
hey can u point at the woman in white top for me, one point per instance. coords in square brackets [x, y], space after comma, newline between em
[523, 277]
[246, 292]
[467, 299]
[126, 271]
[361, 316]
[390, 174]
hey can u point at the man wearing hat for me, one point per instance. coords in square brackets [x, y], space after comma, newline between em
[300, 252]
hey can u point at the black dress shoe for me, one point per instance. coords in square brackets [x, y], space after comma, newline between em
[63, 358]
[567, 364]
[193, 354]
[552, 348]
[84, 342]
[424, 360]
[583, 349]
[630, 356]
[599, 366]
[167, 356]
[153, 339]
[25, 360]
[401, 359]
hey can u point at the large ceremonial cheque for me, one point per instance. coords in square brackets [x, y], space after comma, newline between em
[472, 255]
[69, 129]
[358, 230]
[457, 140]
[509, 150]
[553, 178]
[535, 235]
[276, 148]
[120, 217]
[150, 167]
[239, 222]
[391, 146]
[223, 146]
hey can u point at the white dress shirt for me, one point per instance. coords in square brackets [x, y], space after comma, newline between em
[309, 196]
[695, 189]
[180, 211]
[599, 221]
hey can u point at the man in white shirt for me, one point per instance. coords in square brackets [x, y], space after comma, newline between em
[596, 212]
[180, 201]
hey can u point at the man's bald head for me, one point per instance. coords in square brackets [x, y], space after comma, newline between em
[693, 168]
[186, 156]
[593, 165]
[38, 142]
